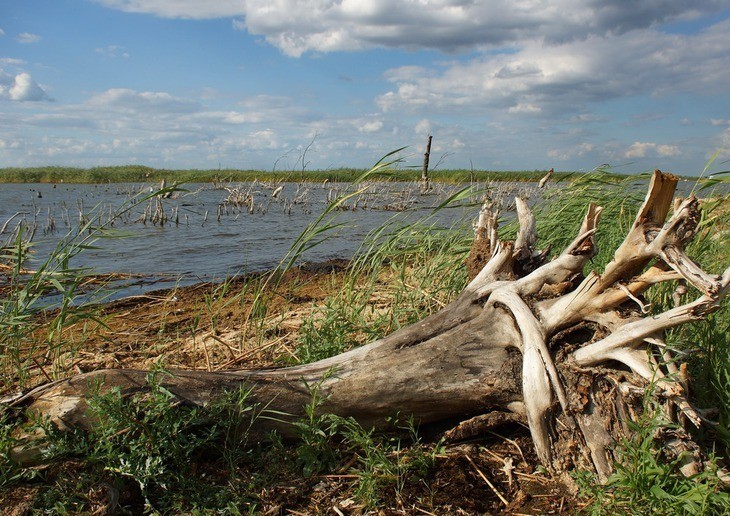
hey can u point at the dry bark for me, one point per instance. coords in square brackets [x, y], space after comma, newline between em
[527, 340]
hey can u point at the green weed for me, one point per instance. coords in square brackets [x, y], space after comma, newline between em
[387, 463]
[317, 433]
[647, 482]
[170, 455]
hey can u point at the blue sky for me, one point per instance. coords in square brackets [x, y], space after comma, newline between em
[500, 84]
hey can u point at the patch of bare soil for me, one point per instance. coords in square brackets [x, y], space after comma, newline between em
[203, 326]
[18, 501]
[465, 480]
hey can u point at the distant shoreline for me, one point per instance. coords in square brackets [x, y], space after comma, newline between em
[144, 174]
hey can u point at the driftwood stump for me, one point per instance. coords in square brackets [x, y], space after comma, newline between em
[527, 340]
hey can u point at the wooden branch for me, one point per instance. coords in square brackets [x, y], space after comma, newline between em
[526, 237]
[538, 371]
[485, 240]
[632, 333]
[545, 179]
[631, 256]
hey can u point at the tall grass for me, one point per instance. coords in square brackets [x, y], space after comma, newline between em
[403, 271]
[38, 305]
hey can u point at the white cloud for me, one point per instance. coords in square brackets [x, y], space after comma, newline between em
[20, 87]
[27, 37]
[123, 99]
[113, 51]
[299, 26]
[191, 9]
[539, 79]
[456, 144]
[236, 117]
[370, 126]
[638, 150]
[264, 139]
[719, 121]
[157, 128]
[423, 126]
[645, 149]
[2, 32]
[571, 152]
[524, 108]
[668, 151]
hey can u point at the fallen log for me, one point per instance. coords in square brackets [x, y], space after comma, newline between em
[528, 339]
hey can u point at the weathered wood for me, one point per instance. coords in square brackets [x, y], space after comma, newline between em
[450, 369]
[425, 181]
[545, 178]
[528, 339]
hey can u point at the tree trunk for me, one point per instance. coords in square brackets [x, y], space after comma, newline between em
[526, 340]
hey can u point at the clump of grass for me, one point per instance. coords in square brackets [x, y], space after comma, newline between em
[330, 330]
[150, 447]
[31, 295]
[647, 482]
[10, 472]
[316, 451]
[387, 463]
[154, 442]
[402, 274]
[383, 463]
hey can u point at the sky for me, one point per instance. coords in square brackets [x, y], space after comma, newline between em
[319, 84]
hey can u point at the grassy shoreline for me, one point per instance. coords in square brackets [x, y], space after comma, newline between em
[143, 174]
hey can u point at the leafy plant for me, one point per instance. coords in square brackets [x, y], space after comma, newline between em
[646, 482]
[317, 432]
[151, 445]
[154, 441]
[385, 463]
[10, 472]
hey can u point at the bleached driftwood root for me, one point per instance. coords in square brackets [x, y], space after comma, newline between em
[527, 339]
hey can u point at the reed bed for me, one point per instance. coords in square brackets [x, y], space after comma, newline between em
[141, 174]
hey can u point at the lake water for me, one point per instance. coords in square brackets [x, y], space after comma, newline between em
[208, 237]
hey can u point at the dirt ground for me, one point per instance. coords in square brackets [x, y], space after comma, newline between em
[208, 326]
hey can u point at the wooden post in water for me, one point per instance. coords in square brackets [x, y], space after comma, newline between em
[425, 182]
